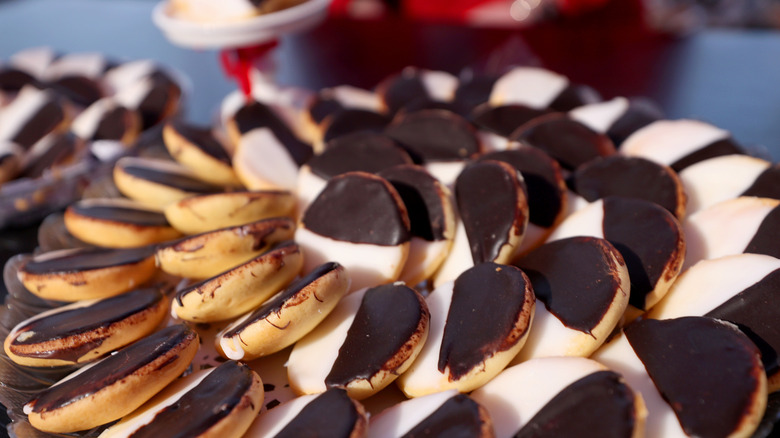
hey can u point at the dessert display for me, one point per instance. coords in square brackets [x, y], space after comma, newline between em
[206, 11]
[487, 256]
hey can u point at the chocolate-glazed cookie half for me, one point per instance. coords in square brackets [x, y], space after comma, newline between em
[197, 149]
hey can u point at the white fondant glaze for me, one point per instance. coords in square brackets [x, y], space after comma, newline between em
[270, 423]
[86, 123]
[513, 397]
[107, 150]
[424, 377]
[9, 148]
[309, 186]
[440, 85]
[128, 73]
[574, 203]
[600, 116]
[132, 95]
[492, 142]
[313, 356]
[232, 346]
[458, 260]
[424, 256]
[587, 221]
[445, 171]
[29, 101]
[90, 65]
[398, 420]
[717, 179]
[368, 265]
[230, 106]
[34, 60]
[666, 141]
[710, 283]
[530, 86]
[353, 97]
[549, 338]
[262, 162]
[725, 228]
[147, 412]
[661, 421]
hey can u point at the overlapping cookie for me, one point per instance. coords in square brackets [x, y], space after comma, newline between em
[618, 118]
[198, 150]
[540, 88]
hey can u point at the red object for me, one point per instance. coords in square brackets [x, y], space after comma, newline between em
[237, 63]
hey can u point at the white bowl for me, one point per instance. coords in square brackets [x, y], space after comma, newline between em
[242, 33]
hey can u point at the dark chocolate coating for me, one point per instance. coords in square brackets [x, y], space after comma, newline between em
[114, 368]
[492, 205]
[86, 259]
[203, 139]
[360, 208]
[332, 414]
[543, 180]
[13, 80]
[158, 100]
[257, 115]
[458, 417]
[568, 141]
[573, 96]
[321, 107]
[706, 370]
[42, 122]
[422, 196]
[434, 135]
[59, 152]
[172, 179]
[767, 238]
[640, 113]
[79, 89]
[753, 310]
[647, 237]
[475, 91]
[488, 305]
[430, 104]
[598, 405]
[388, 318]
[402, 89]
[361, 151]
[113, 125]
[200, 408]
[504, 120]
[135, 216]
[726, 146]
[278, 301]
[100, 315]
[632, 177]
[350, 121]
[576, 279]
[767, 185]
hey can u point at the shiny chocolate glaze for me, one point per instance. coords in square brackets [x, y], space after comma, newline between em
[706, 370]
[360, 151]
[79, 89]
[568, 141]
[576, 279]
[387, 320]
[158, 99]
[487, 315]
[350, 121]
[115, 213]
[640, 113]
[542, 177]
[199, 409]
[88, 259]
[422, 196]
[360, 208]
[113, 125]
[767, 185]
[402, 90]
[60, 151]
[75, 322]
[504, 120]
[42, 122]
[719, 148]
[434, 135]
[203, 139]
[114, 368]
[332, 414]
[599, 405]
[275, 304]
[458, 417]
[172, 179]
[321, 107]
[632, 177]
[475, 91]
[257, 115]
[573, 96]
[13, 80]
[754, 312]
[767, 238]
[492, 205]
[647, 237]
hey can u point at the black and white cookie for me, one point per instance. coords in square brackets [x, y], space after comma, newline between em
[31, 116]
[680, 143]
[371, 337]
[413, 85]
[360, 221]
[562, 396]
[618, 118]
[478, 325]
[330, 101]
[649, 238]
[583, 285]
[540, 88]
[106, 119]
[197, 149]
[496, 123]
